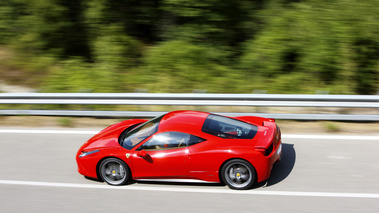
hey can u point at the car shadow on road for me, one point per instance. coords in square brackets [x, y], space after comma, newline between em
[284, 168]
[177, 183]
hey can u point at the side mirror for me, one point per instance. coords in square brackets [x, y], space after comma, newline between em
[142, 153]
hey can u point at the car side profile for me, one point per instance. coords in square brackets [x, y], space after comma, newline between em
[237, 151]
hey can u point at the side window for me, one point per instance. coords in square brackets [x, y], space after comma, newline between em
[167, 140]
[228, 128]
[194, 140]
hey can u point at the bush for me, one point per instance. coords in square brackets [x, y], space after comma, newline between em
[74, 75]
[116, 49]
[179, 66]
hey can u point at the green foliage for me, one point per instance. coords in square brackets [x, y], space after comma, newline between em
[332, 127]
[182, 66]
[138, 18]
[65, 122]
[75, 75]
[7, 17]
[366, 57]
[219, 23]
[317, 40]
[53, 26]
[281, 46]
[114, 48]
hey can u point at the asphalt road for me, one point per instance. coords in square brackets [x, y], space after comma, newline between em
[324, 174]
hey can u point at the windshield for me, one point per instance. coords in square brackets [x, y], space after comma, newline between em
[140, 133]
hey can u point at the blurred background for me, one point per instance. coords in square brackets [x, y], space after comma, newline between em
[213, 46]
[190, 46]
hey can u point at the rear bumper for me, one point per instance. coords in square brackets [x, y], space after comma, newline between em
[279, 152]
[264, 170]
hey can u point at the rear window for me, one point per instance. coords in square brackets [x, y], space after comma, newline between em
[229, 128]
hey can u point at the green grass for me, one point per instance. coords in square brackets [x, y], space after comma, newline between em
[332, 127]
[66, 122]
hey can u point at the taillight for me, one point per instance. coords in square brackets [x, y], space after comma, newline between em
[261, 150]
[264, 151]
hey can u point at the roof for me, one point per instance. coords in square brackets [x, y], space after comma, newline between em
[183, 120]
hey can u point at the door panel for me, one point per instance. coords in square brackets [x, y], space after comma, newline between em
[169, 163]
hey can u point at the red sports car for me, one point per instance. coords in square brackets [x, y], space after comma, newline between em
[237, 151]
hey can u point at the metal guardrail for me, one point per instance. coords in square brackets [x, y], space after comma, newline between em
[193, 99]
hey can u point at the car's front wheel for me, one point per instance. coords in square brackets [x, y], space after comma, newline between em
[238, 174]
[114, 171]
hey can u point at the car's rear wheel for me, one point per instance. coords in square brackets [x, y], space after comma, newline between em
[114, 171]
[238, 174]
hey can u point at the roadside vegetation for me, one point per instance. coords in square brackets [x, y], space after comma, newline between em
[217, 46]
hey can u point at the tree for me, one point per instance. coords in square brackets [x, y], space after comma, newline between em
[179, 66]
[222, 24]
[367, 73]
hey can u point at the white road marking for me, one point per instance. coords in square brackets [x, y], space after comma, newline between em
[332, 137]
[48, 131]
[192, 190]
[284, 136]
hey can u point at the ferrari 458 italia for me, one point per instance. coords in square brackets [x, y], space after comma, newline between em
[236, 151]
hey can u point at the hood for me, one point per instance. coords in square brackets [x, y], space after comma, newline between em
[108, 137]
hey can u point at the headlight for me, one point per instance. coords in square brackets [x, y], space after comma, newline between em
[88, 153]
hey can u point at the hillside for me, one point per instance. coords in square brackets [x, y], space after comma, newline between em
[224, 46]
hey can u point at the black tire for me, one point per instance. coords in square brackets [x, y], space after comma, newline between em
[114, 171]
[238, 174]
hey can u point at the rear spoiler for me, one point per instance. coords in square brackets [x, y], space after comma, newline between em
[255, 120]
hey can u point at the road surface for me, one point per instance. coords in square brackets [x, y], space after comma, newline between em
[318, 173]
